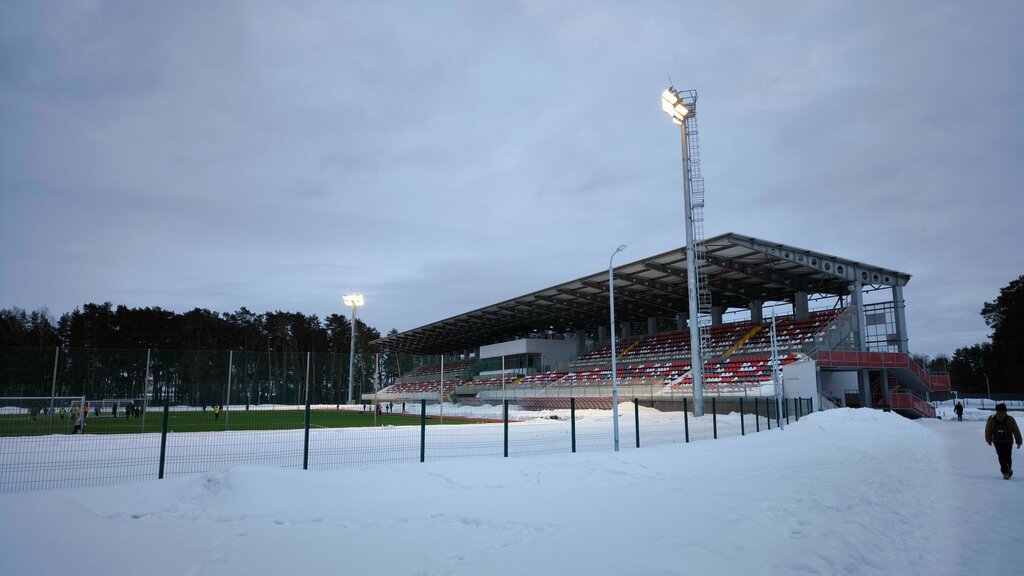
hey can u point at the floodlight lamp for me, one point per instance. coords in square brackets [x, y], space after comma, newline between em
[670, 96]
[353, 299]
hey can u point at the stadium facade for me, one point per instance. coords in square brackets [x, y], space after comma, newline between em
[542, 348]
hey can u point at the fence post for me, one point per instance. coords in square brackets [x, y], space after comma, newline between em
[505, 418]
[743, 431]
[423, 429]
[686, 421]
[757, 416]
[785, 410]
[768, 413]
[163, 436]
[714, 418]
[572, 419]
[305, 447]
[636, 419]
[797, 406]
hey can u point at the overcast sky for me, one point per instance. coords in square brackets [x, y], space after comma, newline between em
[443, 156]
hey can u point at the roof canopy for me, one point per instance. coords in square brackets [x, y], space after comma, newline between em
[738, 269]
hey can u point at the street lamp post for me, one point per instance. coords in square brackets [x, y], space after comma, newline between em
[673, 106]
[611, 312]
[352, 300]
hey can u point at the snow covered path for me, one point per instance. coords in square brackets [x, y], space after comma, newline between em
[840, 492]
[981, 503]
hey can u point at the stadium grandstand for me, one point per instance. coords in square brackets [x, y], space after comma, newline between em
[542, 348]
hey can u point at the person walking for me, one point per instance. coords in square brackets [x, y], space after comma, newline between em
[959, 409]
[1001, 431]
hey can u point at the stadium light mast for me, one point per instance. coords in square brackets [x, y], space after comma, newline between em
[354, 300]
[611, 312]
[672, 104]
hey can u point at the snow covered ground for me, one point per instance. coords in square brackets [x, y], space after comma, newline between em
[839, 492]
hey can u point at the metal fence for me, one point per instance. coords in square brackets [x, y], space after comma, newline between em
[136, 445]
[97, 417]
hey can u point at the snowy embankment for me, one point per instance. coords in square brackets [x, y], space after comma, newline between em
[840, 492]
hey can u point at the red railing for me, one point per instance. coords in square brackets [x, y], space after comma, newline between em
[905, 401]
[898, 360]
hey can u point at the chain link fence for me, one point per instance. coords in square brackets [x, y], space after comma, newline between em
[95, 417]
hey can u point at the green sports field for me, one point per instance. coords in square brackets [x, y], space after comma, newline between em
[199, 421]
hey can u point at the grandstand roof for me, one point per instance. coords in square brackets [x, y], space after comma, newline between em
[738, 269]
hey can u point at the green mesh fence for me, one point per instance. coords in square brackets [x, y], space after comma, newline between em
[89, 417]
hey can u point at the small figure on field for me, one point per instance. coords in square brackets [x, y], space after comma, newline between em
[79, 424]
[62, 413]
[378, 408]
[959, 409]
[114, 411]
[1001, 430]
[216, 412]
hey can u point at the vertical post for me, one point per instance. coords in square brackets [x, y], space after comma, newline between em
[352, 356]
[768, 413]
[163, 436]
[145, 392]
[423, 429]
[504, 416]
[757, 416]
[572, 422]
[686, 421]
[714, 417]
[227, 400]
[615, 382]
[636, 420]
[696, 358]
[305, 445]
[785, 403]
[53, 388]
[743, 430]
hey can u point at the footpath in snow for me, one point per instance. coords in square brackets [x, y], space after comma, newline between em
[839, 492]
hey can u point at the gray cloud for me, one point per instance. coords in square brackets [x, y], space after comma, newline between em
[443, 157]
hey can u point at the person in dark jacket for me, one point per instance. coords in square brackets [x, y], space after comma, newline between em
[959, 409]
[1001, 431]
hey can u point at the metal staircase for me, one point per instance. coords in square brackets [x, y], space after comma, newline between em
[689, 99]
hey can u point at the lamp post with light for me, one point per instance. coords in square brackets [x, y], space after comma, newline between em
[354, 300]
[611, 312]
[672, 104]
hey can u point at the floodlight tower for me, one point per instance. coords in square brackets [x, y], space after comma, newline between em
[681, 107]
[354, 300]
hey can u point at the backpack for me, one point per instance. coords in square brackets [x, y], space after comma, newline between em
[1001, 430]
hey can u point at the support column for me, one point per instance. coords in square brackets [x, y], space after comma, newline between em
[885, 387]
[716, 315]
[652, 326]
[626, 330]
[864, 387]
[581, 343]
[681, 321]
[857, 299]
[602, 335]
[800, 306]
[899, 309]
[756, 314]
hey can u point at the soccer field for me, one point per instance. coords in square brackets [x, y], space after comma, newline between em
[197, 420]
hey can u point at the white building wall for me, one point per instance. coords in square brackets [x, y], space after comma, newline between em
[552, 352]
[800, 381]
